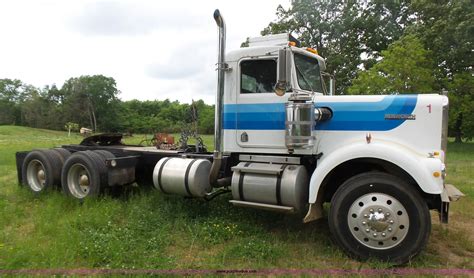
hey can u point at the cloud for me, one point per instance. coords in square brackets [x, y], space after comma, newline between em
[129, 18]
[187, 76]
[154, 49]
[175, 70]
[184, 61]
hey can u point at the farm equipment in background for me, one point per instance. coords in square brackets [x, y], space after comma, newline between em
[85, 131]
[163, 141]
[283, 142]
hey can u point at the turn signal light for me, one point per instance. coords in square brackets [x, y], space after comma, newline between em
[291, 43]
[436, 174]
[312, 50]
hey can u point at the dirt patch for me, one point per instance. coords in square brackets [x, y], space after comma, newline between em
[453, 243]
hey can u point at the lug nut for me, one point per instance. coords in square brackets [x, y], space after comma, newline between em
[371, 210]
[364, 223]
[391, 221]
[383, 234]
[366, 215]
[375, 234]
[380, 210]
[367, 230]
[387, 214]
[389, 229]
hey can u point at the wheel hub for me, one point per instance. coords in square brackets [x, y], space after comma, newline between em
[84, 180]
[41, 175]
[36, 175]
[78, 180]
[378, 220]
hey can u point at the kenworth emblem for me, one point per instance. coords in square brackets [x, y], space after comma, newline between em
[400, 117]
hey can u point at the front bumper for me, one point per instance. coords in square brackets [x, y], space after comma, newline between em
[450, 194]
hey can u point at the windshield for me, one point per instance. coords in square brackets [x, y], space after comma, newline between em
[307, 70]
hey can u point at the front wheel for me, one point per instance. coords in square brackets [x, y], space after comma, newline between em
[379, 215]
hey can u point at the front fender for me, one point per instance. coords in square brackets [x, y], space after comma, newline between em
[420, 167]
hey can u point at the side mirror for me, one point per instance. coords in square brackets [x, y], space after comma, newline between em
[282, 83]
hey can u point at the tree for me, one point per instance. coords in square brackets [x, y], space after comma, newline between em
[461, 103]
[350, 34]
[34, 109]
[406, 67]
[11, 96]
[447, 29]
[69, 126]
[91, 100]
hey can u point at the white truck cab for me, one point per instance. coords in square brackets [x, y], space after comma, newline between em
[378, 159]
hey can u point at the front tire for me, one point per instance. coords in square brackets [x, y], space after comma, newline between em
[379, 215]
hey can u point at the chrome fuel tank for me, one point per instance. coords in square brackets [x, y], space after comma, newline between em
[182, 176]
[274, 184]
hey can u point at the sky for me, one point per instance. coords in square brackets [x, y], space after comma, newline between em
[153, 49]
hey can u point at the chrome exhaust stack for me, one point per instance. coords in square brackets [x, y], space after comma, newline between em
[221, 68]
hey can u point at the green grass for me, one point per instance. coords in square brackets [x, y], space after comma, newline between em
[145, 229]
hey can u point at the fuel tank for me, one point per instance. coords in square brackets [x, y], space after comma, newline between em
[182, 176]
[274, 184]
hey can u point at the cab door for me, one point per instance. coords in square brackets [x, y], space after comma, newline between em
[260, 113]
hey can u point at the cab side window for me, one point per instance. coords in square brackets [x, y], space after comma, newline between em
[257, 76]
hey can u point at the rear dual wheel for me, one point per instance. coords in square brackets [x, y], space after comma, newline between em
[379, 215]
[41, 169]
[85, 174]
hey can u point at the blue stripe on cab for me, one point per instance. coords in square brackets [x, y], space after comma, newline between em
[367, 116]
[363, 116]
[265, 116]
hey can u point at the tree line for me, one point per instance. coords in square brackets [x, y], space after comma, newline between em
[93, 102]
[392, 47]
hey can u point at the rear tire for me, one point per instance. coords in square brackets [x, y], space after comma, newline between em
[41, 170]
[105, 154]
[63, 154]
[37, 171]
[83, 175]
[379, 215]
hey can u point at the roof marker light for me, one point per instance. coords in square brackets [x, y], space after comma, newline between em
[312, 50]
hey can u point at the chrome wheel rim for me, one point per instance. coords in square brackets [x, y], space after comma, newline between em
[36, 175]
[78, 181]
[378, 221]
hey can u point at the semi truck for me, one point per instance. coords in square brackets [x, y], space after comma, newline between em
[285, 143]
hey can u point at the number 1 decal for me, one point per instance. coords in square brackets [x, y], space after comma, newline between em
[429, 108]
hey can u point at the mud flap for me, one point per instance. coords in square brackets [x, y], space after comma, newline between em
[315, 212]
